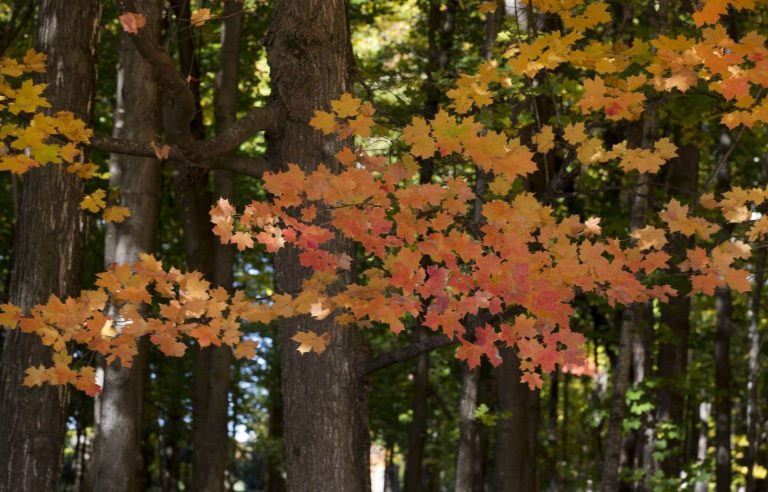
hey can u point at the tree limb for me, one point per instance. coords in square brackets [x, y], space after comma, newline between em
[409, 352]
[183, 107]
[246, 165]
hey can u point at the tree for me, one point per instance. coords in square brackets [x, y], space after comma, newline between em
[488, 252]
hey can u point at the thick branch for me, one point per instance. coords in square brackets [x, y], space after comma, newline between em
[403, 354]
[246, 165]
[183, 106]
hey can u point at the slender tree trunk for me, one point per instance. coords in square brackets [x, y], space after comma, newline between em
[117, 460]
[468, 430]
[515, 456]
[722, 406]
[210, 436]
[753, 409]
[324, 396]
[418, 433]
[633, 319]
[675, 320]
[48, 249]
[723, 379]
[705, 411]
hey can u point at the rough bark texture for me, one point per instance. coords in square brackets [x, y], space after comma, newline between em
[515, 456]
[468, 431]
[116, 463]
[325, 401]
[48, 248]
[211, 389]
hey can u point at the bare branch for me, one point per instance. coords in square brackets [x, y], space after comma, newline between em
[409, 352]
[246, 165]
[182, 106]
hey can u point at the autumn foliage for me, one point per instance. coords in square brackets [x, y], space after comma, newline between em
[487, 267]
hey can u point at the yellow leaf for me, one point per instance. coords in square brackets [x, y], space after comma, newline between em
[545, 139]
[346, 106]
[94, 202]
[28, 98]
[116, 214]
[199, 17]
[487, 7]
[324, 122]
[310, 341]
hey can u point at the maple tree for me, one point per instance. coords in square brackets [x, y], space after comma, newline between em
[490, 268]
[517, 256]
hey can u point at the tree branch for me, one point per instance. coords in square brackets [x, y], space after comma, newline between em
[242, 164]
[409, 352]
[183, 107]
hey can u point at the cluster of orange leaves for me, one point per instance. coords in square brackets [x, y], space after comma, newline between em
[439, 262]
[132, 301]
[623, 74]
[519, 265]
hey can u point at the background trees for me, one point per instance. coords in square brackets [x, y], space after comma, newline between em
[591, 90]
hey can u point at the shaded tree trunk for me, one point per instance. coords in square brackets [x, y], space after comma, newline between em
[468, 430]
[418, 433]
[675, 319]
[210, 437]
[723, 379]
[117, 459]
[48, 249]
[515, 456]
[324, 396]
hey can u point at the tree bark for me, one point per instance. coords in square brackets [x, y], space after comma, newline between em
[633, 318]
[117, 459]
[418, 433]
[675, 317]
[48, 248]
[325, 398]
[468, 430]
[723, 379]
[210, 437]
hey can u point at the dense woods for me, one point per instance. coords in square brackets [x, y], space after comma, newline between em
[388, 245]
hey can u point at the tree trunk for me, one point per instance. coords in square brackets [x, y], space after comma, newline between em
[632, 320]
[675, 318]
[117, 460]
[753, 409]
[723, 379]
[48, 249]
[515, 456]
[210, 437]
[418, 434]
[468, 430]
[325, 399]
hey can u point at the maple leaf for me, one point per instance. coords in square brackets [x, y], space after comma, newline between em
[417, 136]
[545, 139]
[116, 214]
[346, 106]
[243, 240]
[487, 7]
[592, 226]
[649, 237]
[246, 349]
[94, 202]
[532, 379]
[36, 376]
[132, 22]
[309, 341]
[199, 17]
[28, 98]
[324, 121]
[161, 152]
